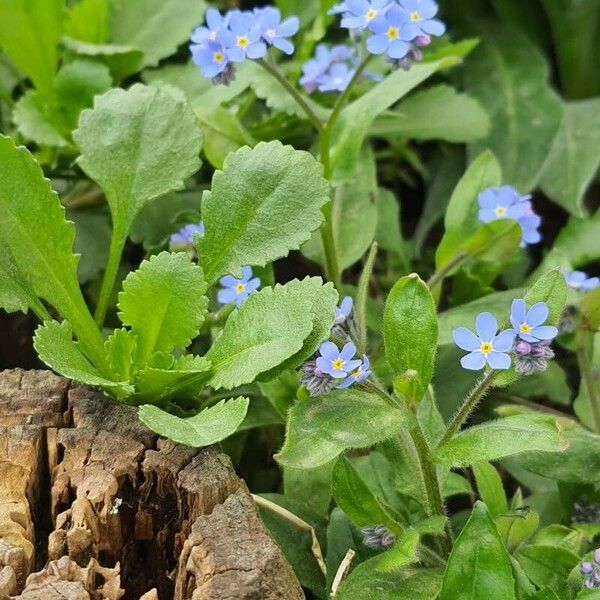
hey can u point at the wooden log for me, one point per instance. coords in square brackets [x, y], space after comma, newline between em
[94, 505]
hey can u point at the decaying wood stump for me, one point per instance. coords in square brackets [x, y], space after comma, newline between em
[95, 506]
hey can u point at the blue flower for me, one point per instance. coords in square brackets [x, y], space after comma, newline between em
[486, 347]
[591, 571]
[185, 236]
[578, 280]
[215, 22]
[390, 34]
[527, 324]
[322, 61]
[338, 9]
[335, 363]
[211, 58]
[361, 12]
[419, 15]
[242, 38]
[506, 203]
[235, 291]
[336, 79]
[343, 311]
[362, 372]
[274, 31]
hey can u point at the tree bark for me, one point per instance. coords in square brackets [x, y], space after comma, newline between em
[94, 505]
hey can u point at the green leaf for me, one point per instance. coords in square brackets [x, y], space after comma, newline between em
[120, 349]
[388, 234]
[479, 566]
[55, 346]
[137, 144]
[310, 487]
[590, 309]
[490, 488]
[354, 216]
[550, 288]
[209, 426]
[574, 157]
[156, 27]
[437, 113]
[354, 121]
[89, 21]
[172, 287]
[353, 496]
[509, 77]
[269, 328]
[321, 428]
[517, 527]
[410, 335]
[35, 234]
[265, 202]
[461, 218]
[92, 239]
[31, 118]
[29, 35]
[501, 438]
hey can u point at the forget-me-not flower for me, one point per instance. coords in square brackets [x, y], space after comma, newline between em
[324, 58]
[336, 79]
[185, 236]
[344, 310]
[210, 57]
[486, 347]
[337, 363]
[390, 34]
[528, 324]
[360, 13]
[420, 18]
[362, 372]
[214, 23]
[235, 291]
[242, 38]
[591, 571]
[275, 31]
[578, 280]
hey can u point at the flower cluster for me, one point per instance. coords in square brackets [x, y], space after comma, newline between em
[229, 39]
[578, 280]
[184, 238]
[397, 28]
[344, 326]
[334, 368]
[235, 291]
[529, 340]
[585, 511]
[377, 537]
[591, 571]
[506, 203]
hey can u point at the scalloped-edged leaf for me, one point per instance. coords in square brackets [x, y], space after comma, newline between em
[156, 27]
[501, 438]
[55, 346]
[164, 304]
[269, 328]
[137, 144]
[29, 34]
[89, 21]
[29, 115]
[209, 426]
[321, 428]
[120, 348]
[265, 202]
[39, 240]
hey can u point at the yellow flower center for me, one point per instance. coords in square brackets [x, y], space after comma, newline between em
[218, 57]
[500, 211]
[415, 17]
[392, 33]
[240, 288]
[338, 364]
[524, 328]
[486, 348]
[243, 41]
[371, 15]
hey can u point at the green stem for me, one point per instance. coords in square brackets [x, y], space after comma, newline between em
[442, 273]
[360, 307]
[467, 407]
[281, 78]
[117, 243]
[588, 379]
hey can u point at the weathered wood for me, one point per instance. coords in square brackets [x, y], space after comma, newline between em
[118, 511]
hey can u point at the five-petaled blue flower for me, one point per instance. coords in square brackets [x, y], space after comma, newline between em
[274, 31]
[343, 311]
[390, 34]
[528, 324]
[359, 13]
[362, 372]
[578, 280]
[486, 347]
[419, 16]
[185, 236]
[235, 291]
[337, 364]
[336, 79]
[324, 58]
[242, 38]
[214, 23]
[210, 57]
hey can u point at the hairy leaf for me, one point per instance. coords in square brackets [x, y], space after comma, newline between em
[89, 21]
[489, 486]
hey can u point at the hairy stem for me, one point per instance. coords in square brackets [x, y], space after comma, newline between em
[467, 407]
[588, 379]
[117, 243]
